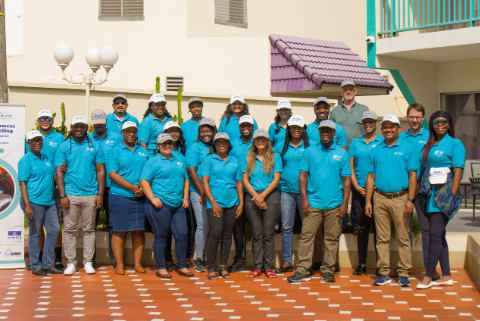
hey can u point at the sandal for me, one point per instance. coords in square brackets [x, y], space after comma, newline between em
[255, 273]
[221, 269]
[171, 267]
[270, 274]
[214, 276]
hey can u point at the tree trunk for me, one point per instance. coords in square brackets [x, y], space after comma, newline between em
[3, 56]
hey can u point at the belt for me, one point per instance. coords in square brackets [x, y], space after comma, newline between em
[391, 195]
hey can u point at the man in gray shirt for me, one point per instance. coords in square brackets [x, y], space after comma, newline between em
[349, 112]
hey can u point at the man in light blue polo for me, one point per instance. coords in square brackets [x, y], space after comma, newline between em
[326, 169]
[190, 127]
[119, 116]
[392, 181]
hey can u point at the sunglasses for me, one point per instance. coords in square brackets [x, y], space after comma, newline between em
[438, 122]
[368, 121]
[120, 102]
[167, 143]
[45, 119]
[245, 125]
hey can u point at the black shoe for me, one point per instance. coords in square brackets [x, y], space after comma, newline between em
[54, 270]
[298, 277]
[40, 272]
[356, 230]
[199, 266]
[337, 268]
[316, 265]
[59, 265]
[360, 270]
[284, 269]
[310, 270]
[28, 266]
[328, 277]
[237, 267]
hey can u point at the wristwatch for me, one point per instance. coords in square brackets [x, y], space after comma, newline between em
[411, 200]
[63, 195]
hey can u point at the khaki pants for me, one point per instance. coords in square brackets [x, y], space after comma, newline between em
[310, 226]
[385, 211]
[80, 207]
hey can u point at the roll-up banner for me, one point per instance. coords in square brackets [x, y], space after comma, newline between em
[12, 148]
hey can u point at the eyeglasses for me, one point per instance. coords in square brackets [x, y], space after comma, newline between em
[415, 118]
[36, 142]
[167, 143]
[438, 122]
[245, 125]
[160, 104]
[120, 102]
[45, 119]
[368, 121]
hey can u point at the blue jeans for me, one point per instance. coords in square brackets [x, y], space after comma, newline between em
[162, 220]
[202, 225]
[42, 216]
[288, 201]
[191, 225]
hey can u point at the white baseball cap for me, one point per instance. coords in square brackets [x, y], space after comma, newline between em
[79, 119]
[284, 103]
[45, 113]
[207, 121]
[119, 96]
[296, 120]
[162, 138]
[128, 124]
[157, 98]
[347, 82]
[34, 133]
[246, 119]
[391, 118]
[237, 97]
[319, 99]
[98, 117]
[328, 124]
[438, 175]
[170, 124]
[221, 135]
[261, 133]
[369, 114]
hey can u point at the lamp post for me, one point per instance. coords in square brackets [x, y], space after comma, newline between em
[107, 56]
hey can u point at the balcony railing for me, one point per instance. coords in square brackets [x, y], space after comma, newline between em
[403, 15]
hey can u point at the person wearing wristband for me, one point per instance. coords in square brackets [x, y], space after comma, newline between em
[359, 152]
[127, 200]
[81, 190]
[119, 116]
[195, 156]
[278, 128]
[164, 181]
[261, 175]
[36, 176]
[190, 127]
[222, 182]
[229, 122]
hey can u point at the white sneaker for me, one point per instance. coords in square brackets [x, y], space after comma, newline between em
[70, 269]
[89, 268]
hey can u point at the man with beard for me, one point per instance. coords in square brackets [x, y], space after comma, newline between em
[119, 116]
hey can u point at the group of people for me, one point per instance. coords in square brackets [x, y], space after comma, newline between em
[200, 183]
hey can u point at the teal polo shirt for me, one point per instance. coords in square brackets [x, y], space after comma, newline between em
[360, 151]
[392, 164]
[325, 167]
[260, 180]
[109, 140]
[240, 149]
[277, 138]
[291, 167]
[233, 128]
[417, 141]
[128, 164]
[350, 119]
[314, 134]
[194, 158]
[190, 131]
[38, 173]
[149, 130]
[81, 176]
[166, 177]
[449, 152]
[50, 144]
[114, 125]
[223, 179]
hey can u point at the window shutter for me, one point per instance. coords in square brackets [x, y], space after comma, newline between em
[121, 10]
[231, 12]
[111, 8]
[173, 83]
[132, 8]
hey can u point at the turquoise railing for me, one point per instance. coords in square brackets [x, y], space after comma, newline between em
[404, 15]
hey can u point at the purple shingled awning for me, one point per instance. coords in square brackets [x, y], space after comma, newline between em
[302, 64]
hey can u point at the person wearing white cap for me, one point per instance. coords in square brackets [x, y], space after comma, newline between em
[36, 179]
[392, 181]
[278, 128]
[81, 190]
[261, 175]
[154, 119]
[229, 122]
[441, 170]
[190, 127]
[359, 153]
[119, 116]
[349, 113]
[127, 200]
[164, 181]
[222, 182]
[194, 157]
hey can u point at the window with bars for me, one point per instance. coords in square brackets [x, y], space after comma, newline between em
[231, 12]
[173, 83]
[121, 10]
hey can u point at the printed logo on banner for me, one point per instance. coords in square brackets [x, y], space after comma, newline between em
[10, 253]
[15, 236]
[5, 114]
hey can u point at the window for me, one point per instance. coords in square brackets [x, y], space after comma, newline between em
[231, 12]
[121, 10]
[173, 83]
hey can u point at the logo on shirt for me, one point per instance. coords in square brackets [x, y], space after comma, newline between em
[109, 142]
[438, 153]
[53, 144]
[141, 154]
[337, 157]
[233, 164]
[89, 149]
[179, 163]
[398, 153]
[374, 145]
[48, 164]
[422, 142]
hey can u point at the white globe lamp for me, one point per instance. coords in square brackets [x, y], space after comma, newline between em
[108, 56]
[92, 59]
[63, 54]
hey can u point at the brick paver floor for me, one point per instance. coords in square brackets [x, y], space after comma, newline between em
[107, 296]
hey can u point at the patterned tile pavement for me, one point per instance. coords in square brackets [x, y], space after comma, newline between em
[107, 296]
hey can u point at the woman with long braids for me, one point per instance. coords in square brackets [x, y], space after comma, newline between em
[440, 172]
[278, 128]
[291, 151]
[154, 120]
[229, 122]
